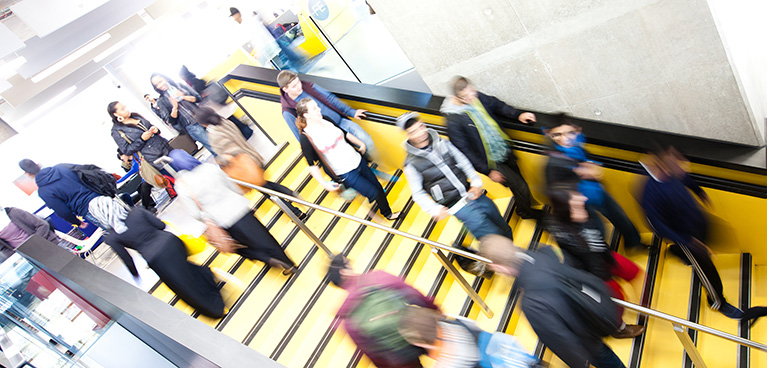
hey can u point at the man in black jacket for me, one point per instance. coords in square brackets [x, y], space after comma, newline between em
[551, 313]
[473, 128]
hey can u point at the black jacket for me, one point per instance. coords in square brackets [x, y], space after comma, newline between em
[186, 109]
[145, 234]
[465, 136]
[551, 315]
[583, 246]
[151, 149]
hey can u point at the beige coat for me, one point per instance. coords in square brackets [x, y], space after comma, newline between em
[227, 139]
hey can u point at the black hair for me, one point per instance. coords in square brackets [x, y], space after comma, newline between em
[559, 120]
[147, 95]
[29, 166]
[112, 107]
[410, 122]
[206, 116]
[560, 203]
[169, 81]
[338, 263]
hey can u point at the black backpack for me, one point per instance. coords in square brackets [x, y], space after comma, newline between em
[96, 179]
[592, 298]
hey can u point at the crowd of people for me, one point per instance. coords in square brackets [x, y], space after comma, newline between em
[391, 322]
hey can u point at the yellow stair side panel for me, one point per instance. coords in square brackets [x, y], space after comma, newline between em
[718, 352]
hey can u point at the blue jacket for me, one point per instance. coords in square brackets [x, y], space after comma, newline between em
[61, 190]
[672, 211]
[327, 111]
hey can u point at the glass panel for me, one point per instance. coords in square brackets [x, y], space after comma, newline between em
[47, 323]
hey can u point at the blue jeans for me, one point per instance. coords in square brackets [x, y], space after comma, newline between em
[357, 131]
[607, 359]
[482, 217]
[614, 213]
[365, 182]
[198, 133]
[90, 219]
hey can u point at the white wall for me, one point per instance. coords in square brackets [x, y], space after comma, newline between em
[77, 131]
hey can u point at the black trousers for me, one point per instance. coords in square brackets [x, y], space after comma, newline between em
[284, 190]
[704, 267]
[259, 243]
[516, 183]
[192, 283]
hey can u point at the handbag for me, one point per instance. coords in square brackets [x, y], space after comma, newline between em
[348, 194]
[217, 236]
[149, 173]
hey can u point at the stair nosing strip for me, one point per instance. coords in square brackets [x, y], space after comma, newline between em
[286, 287]
[651, 278]
[319, 290]
[511, 302]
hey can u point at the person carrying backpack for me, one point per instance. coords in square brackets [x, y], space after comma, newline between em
[570, 310]
[78, 190]
[371, 313]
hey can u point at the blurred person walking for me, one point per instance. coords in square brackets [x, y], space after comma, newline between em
[323, 142]
[554, 301]
[211, 197]
[227, 139]
[63, 191]
[584, 247]
[167, 256]
[458, 342]
[443, 183]
[293, 90]
[674, 214]
[371, 313]
[568, 164]
[472, 126]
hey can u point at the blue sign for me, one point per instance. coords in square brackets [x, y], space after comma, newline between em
[319, 9]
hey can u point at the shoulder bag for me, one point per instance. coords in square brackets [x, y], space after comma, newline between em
[149, 173]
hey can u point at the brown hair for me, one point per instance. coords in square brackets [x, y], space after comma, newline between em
[285, 77]
[302, 109]
[500, 250]
[459, 84]
[418, 325]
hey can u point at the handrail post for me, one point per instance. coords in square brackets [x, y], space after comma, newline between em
[689, 346]
[462, 281]
[301, 225]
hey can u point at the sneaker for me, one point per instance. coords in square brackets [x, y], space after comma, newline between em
[628, 332]
[753, 313]
[730, 311]
[531, 214]
[384, 176]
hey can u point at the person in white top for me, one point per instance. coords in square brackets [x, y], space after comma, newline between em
[323, 142]
[209, 195]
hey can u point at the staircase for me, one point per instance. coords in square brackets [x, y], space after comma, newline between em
[292, 319]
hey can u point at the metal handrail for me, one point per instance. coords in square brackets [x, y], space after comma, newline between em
[388, 229]
[436, 248]
[683, 322]
[635, 307]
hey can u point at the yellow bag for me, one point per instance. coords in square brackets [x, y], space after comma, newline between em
[194, 244]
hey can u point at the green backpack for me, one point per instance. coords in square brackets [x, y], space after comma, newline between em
[377, 319]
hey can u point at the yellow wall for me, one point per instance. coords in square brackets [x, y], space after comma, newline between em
[739, 219]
